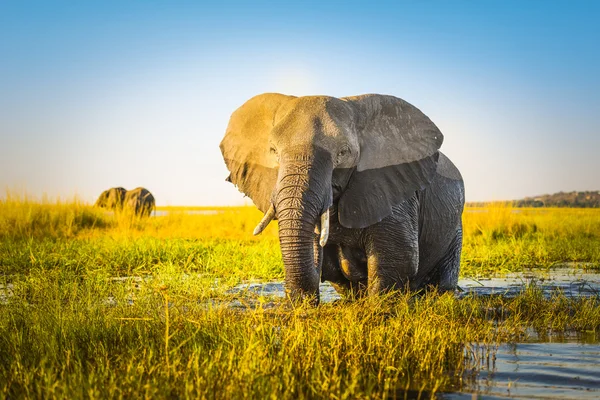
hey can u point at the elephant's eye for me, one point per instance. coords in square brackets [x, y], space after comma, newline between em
[344, 152]
[273, 150]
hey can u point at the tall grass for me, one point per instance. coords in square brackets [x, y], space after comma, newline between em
[69, 329]
[502, 239]
[22, 216]
[497, 239]
[60, 337]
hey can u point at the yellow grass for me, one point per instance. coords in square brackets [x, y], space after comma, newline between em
[165, 328]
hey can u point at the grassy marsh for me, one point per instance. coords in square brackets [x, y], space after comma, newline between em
[69, 329]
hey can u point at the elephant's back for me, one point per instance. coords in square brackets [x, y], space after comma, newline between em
[442, 201]
[440, 212]
[447, 169]
[139, 193]
[446, 193]
[140, 199]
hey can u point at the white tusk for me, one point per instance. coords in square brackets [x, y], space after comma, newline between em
[324, 228]
[269, 215]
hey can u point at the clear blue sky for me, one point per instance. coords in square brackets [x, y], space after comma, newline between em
[101, 94]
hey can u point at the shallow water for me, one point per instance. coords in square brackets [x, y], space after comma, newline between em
[6, 292]
[567, 370]
[570, 281]
[276, 289]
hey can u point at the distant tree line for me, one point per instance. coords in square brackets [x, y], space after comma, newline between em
[588, 199]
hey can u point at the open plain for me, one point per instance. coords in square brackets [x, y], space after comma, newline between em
[101, 306]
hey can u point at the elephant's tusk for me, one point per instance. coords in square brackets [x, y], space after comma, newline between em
[269, 215]
[324, 228]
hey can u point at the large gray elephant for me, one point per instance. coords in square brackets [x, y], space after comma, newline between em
[363, 196]
[138, 201]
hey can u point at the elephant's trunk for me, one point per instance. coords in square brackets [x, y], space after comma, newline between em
[303, 195]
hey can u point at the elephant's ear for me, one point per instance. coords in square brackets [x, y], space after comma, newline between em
[246, 148]
[398, 156]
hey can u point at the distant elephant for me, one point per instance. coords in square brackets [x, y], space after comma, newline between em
[139, 201]
[363, 197]
[112, 198]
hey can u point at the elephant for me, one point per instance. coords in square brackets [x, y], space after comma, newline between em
[138, 201]
[112, 198]
[363, 196]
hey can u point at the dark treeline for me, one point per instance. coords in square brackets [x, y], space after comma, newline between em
[588, 199]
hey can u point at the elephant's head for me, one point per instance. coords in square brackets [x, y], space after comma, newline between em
[112, 198]
[295, 156]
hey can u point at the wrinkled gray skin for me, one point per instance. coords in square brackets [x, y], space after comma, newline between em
[139, 201]
[395, 202]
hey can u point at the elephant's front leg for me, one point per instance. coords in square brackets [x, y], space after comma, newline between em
[392, 249]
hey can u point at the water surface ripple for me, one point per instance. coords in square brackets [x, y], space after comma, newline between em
[567, 370]
[536, 370]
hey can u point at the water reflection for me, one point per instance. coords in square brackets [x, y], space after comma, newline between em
[571, 282]
[538, 370]
[277, 289]
[544, 367]
[555, 367]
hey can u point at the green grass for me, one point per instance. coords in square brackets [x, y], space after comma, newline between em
[502, 239]
[69, 330]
